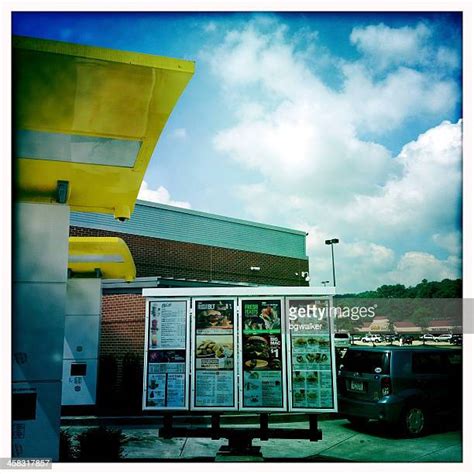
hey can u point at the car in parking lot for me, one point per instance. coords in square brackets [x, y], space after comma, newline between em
[390, 338]
[444, 338]
[372, 338]
[456, 339]
[406, 387]
[427, 337]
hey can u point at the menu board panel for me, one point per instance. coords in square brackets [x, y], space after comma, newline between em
[214, 346]
[309, 354]
[166, 355]
[262, 358]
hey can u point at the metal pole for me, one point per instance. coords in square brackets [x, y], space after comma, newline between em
[333, 266]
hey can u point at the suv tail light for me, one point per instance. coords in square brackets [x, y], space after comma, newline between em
[386, 385]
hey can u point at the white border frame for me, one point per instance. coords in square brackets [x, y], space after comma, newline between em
[149, 301]
[291, 408]
[242, 291]
[235, 406]
[283, 325]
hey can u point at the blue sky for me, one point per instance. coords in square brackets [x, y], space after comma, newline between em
[342, 125]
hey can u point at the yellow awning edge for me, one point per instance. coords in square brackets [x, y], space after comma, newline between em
[110, 255]
[89, 117]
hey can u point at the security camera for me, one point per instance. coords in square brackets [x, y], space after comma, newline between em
[122, 213]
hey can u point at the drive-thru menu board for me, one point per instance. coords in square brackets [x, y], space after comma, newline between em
[214, 352]
[309, 354]
[167, 355]
[228, 350]
[262, 344]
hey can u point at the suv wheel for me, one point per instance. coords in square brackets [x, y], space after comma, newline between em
[414, 421]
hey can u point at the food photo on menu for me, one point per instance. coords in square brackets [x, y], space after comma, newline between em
[262, 316]
[167, 356]
[214, 315]
[262, 352]
[310, 352]
[214, 351]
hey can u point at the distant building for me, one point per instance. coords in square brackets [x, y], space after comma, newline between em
[378, 324]
[401, 327]
[443, 325]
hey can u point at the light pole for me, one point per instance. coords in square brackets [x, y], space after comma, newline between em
[331, 242]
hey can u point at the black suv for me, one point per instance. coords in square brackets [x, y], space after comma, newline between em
[403, 386]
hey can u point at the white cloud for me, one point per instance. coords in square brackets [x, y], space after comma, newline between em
[302, 140]
[383, 47]
[179, 134]
[160, 195]
[426, 196]
[450, 241]
[405, 45]
[415, 266]
[378, 106]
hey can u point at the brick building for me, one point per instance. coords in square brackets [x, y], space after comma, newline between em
[175, 247]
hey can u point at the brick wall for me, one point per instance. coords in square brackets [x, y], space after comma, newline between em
[168, 258]
[122, 338]
[123, 325]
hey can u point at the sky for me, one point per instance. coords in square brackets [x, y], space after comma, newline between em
[344, 125]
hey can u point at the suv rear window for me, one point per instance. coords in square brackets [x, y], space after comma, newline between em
[436, 362]
[366, 362]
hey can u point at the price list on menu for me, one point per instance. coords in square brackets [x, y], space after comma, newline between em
[214, 354]
[166, 356]
[262, 354]
[310, 354]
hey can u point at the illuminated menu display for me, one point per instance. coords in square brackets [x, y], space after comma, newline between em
[166, 356]
[262, 354]
[214, 353]
[310, 361]
[231, 353]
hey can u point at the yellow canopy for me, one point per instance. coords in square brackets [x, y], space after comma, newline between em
[108, 254]
[89, 116]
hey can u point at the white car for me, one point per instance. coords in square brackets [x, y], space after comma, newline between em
[444, 338]
[371, 338]
[427, 337]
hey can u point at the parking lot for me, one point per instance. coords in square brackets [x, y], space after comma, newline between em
[341, 442]
[397, 343]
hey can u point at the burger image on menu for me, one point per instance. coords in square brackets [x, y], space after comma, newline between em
[212, 318]
[256, 352]
[259, 353]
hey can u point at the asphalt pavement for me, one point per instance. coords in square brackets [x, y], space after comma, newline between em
[341, 443]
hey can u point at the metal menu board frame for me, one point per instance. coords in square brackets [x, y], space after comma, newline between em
[206, 336]
[258, 323]
[259, 300]
[332, 358]
[186, 349]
